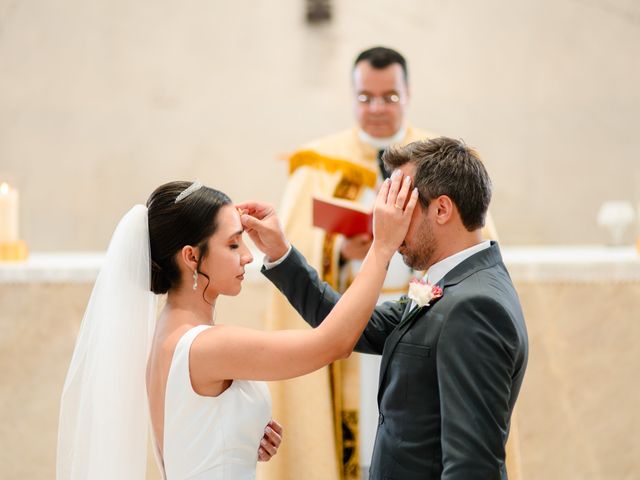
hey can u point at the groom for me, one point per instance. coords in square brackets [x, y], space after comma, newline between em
[451, 370]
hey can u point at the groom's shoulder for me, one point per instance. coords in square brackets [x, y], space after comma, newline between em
[489, 279]
[488, 309]
[490, 287]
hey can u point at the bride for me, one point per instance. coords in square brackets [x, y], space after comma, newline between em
[203, 389]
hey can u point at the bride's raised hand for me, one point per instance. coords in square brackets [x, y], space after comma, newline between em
[392, 212]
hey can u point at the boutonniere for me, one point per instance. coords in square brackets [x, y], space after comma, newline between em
[422, 292]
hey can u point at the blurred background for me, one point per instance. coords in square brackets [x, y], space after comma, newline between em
[102, 101]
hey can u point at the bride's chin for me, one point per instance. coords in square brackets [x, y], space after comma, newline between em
[234, 292]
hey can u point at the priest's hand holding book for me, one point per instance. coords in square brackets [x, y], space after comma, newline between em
[355, 248]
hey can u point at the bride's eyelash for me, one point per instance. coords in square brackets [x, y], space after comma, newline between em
[233, 246]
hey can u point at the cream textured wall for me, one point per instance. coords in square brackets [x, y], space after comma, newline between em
[101, 101]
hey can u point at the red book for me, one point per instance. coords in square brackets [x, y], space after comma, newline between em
[335, 215]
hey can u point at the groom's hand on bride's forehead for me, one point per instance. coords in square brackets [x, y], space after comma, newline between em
[258, 210]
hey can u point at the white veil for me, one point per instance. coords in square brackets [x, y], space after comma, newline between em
[104, 421]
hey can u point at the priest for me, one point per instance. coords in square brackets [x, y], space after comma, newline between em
[331, 416]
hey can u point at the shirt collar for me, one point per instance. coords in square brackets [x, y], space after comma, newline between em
[437, 271]
[382, 142]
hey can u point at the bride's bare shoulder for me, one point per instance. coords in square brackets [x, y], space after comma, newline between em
[170, 327]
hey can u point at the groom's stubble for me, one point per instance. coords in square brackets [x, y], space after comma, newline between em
[420, 245]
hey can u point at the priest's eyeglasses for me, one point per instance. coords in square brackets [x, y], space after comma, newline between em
[389, 99]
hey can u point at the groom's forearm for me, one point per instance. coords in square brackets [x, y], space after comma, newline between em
[312, 298]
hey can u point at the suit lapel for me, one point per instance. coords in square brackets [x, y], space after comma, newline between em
[392, 340]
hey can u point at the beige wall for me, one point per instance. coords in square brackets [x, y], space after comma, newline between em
[101, 101]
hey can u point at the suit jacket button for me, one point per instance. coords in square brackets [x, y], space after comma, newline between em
[380, 419]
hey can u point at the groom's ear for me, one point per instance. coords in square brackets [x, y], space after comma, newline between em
[444, 209]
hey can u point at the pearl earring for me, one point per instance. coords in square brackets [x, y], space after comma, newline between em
[195, 279]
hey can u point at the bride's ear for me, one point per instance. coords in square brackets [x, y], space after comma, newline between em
[189, 257]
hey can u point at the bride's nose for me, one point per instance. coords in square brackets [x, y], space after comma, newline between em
[246, 256]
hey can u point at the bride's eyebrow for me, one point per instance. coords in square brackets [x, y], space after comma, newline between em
[236, 234]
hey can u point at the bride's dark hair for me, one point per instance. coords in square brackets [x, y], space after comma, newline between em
[172, 225]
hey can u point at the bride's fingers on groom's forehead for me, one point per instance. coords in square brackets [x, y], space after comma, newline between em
[384, 190]
[404, 191]
[413, 199]
[396, 179]
[404, 187]
[406, 183]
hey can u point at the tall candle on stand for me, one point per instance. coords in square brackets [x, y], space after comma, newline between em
[8, 214]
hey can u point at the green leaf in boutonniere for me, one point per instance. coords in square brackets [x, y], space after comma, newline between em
[403, 300]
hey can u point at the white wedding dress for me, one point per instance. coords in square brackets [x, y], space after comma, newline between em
[104, 420]
[211, 438]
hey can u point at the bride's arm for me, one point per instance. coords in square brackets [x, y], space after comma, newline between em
[229, 352]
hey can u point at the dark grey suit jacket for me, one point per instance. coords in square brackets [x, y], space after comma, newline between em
[450, 372]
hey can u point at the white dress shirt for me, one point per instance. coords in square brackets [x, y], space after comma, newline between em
[437, 271]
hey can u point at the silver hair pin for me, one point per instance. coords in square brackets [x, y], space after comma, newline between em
[195, 186]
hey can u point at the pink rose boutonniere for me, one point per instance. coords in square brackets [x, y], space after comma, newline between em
[422, 292]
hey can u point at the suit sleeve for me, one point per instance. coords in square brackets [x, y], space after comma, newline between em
[475, 362]
[313, 299]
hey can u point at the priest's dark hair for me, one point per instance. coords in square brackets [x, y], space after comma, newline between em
[382, 57]
[172, 225]
[447, 166]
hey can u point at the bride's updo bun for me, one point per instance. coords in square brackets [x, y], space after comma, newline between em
[190, 220]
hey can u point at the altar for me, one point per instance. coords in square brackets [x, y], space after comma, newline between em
[577, 412]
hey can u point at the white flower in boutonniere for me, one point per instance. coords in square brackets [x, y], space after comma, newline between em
[422, 292]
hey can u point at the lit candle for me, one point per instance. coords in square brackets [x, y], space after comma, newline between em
[8, 213]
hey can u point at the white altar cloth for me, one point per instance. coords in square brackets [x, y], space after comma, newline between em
[579, 263]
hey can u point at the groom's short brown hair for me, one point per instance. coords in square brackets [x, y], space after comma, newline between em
[446, 166]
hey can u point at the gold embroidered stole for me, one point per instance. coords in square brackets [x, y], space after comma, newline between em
[353, 178]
